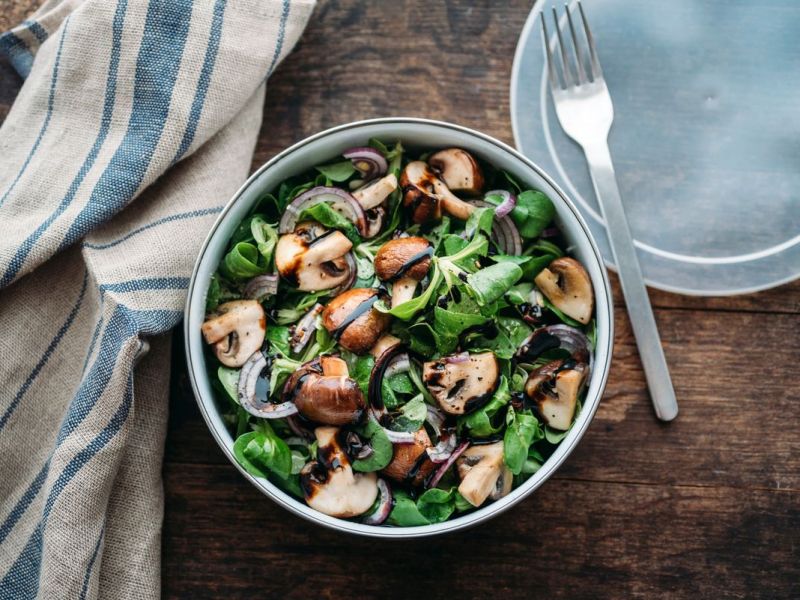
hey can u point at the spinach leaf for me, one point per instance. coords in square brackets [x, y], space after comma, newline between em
[412, 415]
[213, 294]
[533, 213]
[261, 453]
[243, 262]
[492, 282]
[520, 293]
[533, 462]
[436, 505]
[324, 340]
[278, 338]
[428, 341]
[554, 436]
[455, 322]
[229, 378]
[390, 399]
[282, 368]
[564, 318]
[381, 446]
[453, 243]
[405, 512]
[401, 383]
[461, 503]
[483, 422]
[480, 221]
[338, 172]
[265, 237]
[510, 335]
[332, 219]
[361, 371]
[436, 235]
[522, 429]
[408, 309]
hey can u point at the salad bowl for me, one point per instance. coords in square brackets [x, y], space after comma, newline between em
[415, 134]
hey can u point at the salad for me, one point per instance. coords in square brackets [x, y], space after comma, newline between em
[399, 338]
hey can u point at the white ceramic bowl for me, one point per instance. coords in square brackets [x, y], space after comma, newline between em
[414, 133]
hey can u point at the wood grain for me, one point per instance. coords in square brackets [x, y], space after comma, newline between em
[705, 507]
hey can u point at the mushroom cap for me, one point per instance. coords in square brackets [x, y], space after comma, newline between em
[554, 389]
[419, 184]
[567, 285]
[329, 483]
[408, 463]
[323, 392]
[351, 317]
[404, 257]
[480, 468]
[375, 192]
[458, 169]
[461, 387]
[312, 257]
[237, 330]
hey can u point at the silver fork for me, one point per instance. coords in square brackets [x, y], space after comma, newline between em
[585, 111]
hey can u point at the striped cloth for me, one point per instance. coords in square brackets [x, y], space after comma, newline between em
[155, 101]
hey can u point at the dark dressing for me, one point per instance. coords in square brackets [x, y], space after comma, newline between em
[359, 310]
[418, 257]
[414, 471]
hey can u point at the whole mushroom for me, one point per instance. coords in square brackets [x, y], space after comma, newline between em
[411, 462]
[351, 319]
[459, 170]
[554, 390]
[462, 383]
[403, 262]
[329, 484]
[567, 285]
[236, 330]
[483, 473]
[425, 195]
[315, 258]
[323, 392]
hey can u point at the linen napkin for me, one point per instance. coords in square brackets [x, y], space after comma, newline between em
[135, 124]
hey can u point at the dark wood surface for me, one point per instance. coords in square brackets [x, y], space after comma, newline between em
[705, 507]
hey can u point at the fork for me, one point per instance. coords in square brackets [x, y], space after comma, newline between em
[585, 111]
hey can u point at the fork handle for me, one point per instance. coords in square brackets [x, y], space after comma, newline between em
[637, 301]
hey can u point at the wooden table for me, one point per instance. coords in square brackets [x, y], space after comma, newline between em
[705, 507]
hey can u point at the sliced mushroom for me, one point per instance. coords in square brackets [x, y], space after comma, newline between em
[236, 330]
[554, 390]
[375, 217]
[384, 343]
[329, 483]
[323, 392]
[313, 257]
[352, 320]
[410, 462]
[403, 262]
[459, 170]
[375, 193]
[481, 469]
[427, 196]
[567, 285]
[462, 384]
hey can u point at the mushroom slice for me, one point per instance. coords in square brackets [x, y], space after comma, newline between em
[410, 462]
[236, 330]
[426, 195]
[458, 169]
[461, 384]
[329, 483]
[567, 285]
[554, 389]
[375, 217]
[313, 257]
[323, 392]
[385, 342]
[351, 319]
[374, 193]
[403, 262]
[480, 469]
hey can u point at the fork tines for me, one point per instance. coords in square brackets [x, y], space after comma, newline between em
[573, 70]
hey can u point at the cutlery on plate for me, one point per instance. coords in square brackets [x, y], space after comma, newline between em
[584, 109]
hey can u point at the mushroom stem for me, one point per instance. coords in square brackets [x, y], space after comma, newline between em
[455, 206]
[403, 290]
[327, 247]
[333, 366]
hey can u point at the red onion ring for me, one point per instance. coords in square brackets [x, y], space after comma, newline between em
[351, 278]
[384, 505]
[507, 204]
[341, 200]
[444, 448]
[457, 358]
[504, 233]
[304, 329]
[570, 339]
[261, 287]
[294, 423]
[435, 418]
[246, 391]
[439, 473]
[400, 364]
[368, 161]
[400, 437]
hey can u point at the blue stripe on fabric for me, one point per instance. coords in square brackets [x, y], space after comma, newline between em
[17, 52]
[204, 81]
[24, 502]
[95, 334]
[105, 124]
[281, 35]
[165, 33]
[89, 568]
[147, 283]
[36, 29]
[176, 217]
[46, 356]
[47, 116]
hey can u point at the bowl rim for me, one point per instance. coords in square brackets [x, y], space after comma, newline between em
[483, 513]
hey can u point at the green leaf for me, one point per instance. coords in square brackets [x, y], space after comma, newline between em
[455, 322]
[461, 503]
[482, 423]
[213, 294]
[381, 446]
[424, 339]
[522, 429]
[408, 309]
[533, 213]
[492, 282]
[554, 436]
[361, 371]
[510, 335]
[405, 512]
[278, 338]
[332, 219]
[229, 378]
[341, 171]
[401, 383]
[265, 237]
[520, 293]
[261, 454]
[412, 415]
[564, 318]
[436, 505]
[243, 262]
[480, 221]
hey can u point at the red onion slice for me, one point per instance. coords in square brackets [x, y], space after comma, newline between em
[351, 278]
[305, 328]
[570, 339]
[507, 203]
[435, 418]
[437, 476]
[294, 423]
[504, 233]
[246, 392]
[261, 287]
[399, 364]
[340, 200]
[400, 437]
[457, 358]
[367, 161]
[444, 448]
[380, 514]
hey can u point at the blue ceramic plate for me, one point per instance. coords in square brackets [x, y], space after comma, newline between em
[706, 137]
